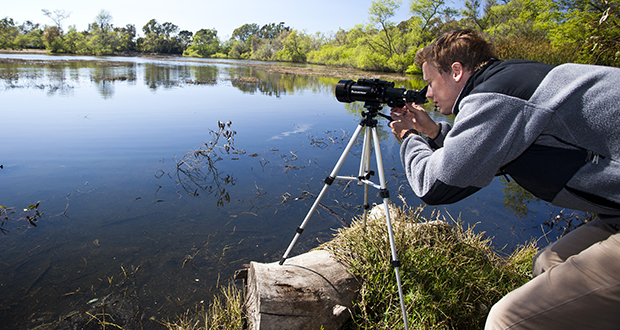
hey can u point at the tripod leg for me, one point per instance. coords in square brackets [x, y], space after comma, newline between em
[385, 195]
[328, 181]
[365, 168]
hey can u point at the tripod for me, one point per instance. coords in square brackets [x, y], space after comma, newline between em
[369, 123]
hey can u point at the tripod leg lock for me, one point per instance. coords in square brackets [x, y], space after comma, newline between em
[396, 263]
[299, 230]
[385, 193]
[366, 176]
[329, 180]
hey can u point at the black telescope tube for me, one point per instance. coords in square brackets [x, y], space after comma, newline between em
[380, 91]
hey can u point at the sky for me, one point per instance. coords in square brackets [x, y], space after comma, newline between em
[224, 16]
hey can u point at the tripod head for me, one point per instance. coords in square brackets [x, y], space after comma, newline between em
[373, 111]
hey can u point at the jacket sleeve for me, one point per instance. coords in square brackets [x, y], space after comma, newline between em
[490, 130]
[437, 142]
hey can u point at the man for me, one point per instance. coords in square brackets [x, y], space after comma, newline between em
[555, 131]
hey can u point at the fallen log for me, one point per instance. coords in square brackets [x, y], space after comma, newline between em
[309, 291]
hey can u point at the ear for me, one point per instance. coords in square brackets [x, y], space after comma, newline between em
[458, 72]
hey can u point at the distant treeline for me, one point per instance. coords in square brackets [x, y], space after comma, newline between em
[551, 31]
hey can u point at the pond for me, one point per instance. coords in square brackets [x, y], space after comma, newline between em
[107, 216]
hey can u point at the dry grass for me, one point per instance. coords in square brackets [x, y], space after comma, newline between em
[224, 312]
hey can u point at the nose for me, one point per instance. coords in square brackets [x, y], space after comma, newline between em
[429, 92]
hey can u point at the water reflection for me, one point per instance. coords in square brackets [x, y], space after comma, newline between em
[516, 199]
[197, 170]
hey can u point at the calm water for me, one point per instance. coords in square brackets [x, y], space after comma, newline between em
[123, 234]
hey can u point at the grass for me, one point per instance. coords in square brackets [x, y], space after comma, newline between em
[224, 312]
[451, 275]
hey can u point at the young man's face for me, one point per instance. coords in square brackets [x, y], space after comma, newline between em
[444, 88]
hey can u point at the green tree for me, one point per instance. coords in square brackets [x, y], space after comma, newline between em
[75, 42]
[161, 38]
[380, 12]
[153, 39]
[52, 39]
[205, 43]
[103, 38]
[243, 38]
[431, 18]
[518, 19]
[8, 33]
[272, 30]
[595, 25]
[244, 32]
[29, 36]
[295, 46]
[185, 37]
[127, 37]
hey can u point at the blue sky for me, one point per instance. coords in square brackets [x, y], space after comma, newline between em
[193, 15]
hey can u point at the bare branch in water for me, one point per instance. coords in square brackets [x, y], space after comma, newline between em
[196, 171]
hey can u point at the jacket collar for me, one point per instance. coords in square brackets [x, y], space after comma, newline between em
[473, 81]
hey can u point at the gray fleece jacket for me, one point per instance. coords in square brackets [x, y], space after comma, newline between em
[554, 130]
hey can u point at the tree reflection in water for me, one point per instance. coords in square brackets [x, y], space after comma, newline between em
[517, 200]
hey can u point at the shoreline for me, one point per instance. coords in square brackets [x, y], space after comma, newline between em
[26, 51]
[284, 68]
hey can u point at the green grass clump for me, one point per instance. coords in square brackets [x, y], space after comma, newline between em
[451, 276]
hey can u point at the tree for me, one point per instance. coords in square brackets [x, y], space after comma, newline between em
[429, 12]
[52, 38]
[295, 47]
[75, 42]
[160, 38]
[517, 19]
[205, 44]
[29, 36]
[244, 32]
[104, 21]
[57, 17]
[272, 30]
[186, 38]
[380, 12]
[103, 40]
[127, 36]
[595, 25]
[8, 33]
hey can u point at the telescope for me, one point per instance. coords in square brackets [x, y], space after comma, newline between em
[380, 91]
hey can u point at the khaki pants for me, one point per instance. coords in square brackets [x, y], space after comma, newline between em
[576, 285]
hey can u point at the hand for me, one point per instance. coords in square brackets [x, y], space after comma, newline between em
[400, 123]
[412, 116]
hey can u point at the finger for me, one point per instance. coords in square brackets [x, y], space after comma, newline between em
[396, 115]
[398, 110]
